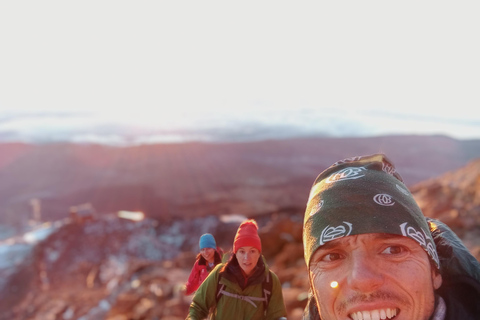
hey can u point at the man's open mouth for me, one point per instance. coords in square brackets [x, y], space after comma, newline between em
[378, 314]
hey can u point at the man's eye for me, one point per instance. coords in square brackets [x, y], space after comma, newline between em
[393, 250]
[331, 256]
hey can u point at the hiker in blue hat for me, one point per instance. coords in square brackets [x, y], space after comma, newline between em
[209, 256]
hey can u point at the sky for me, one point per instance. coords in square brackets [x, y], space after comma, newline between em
[150, 71]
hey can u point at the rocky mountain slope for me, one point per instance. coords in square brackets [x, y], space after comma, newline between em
[454, 198]
[117, 269]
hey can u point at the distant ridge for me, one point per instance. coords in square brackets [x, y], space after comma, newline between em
[197, 179]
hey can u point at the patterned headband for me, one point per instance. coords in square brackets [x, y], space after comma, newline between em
[363, 195]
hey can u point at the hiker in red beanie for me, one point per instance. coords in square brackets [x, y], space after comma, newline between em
[243, 287]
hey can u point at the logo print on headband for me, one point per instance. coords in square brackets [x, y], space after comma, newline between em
[433, 252]
[352, 159]
[383, 199]
[424, 240]
[332, 233]
[346, 174]
[388, 168]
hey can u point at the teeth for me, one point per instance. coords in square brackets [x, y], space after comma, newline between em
[383, 314]
[380, 314]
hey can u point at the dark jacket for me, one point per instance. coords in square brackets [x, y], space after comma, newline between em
[460, 272]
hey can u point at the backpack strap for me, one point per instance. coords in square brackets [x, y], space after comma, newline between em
[267, 285]
[220, 288]
[267, 288]
[244, 298]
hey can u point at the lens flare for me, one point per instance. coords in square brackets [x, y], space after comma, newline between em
[334, 284]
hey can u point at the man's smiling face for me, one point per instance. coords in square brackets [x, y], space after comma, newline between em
[373, 276]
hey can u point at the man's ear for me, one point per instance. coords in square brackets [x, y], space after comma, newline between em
[436, 279]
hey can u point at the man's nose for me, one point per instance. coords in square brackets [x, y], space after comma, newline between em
[366, 274]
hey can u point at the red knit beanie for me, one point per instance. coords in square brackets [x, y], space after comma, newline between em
[247, 236]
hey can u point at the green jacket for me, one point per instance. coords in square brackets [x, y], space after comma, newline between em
[229, 307]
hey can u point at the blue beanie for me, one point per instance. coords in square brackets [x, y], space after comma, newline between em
[207, 241]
